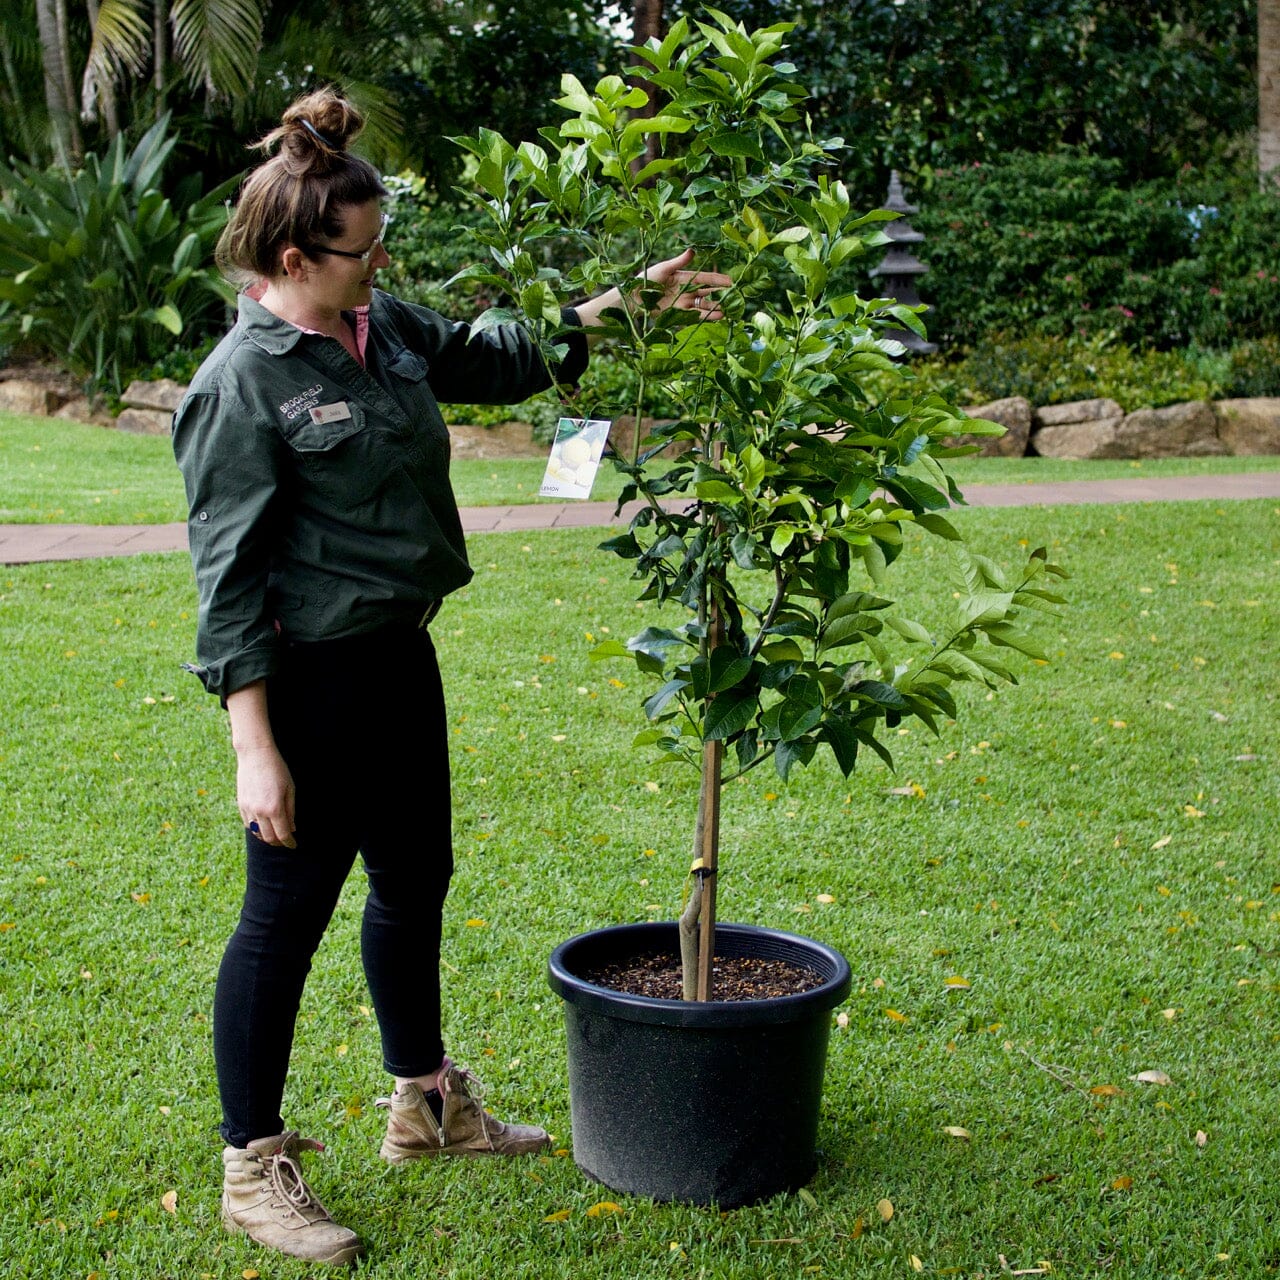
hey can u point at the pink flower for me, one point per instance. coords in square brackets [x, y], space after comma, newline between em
[1124, 311]
[1068, 279]
[1215, 291]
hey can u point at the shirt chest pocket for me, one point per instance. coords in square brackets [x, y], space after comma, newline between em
[339, 462]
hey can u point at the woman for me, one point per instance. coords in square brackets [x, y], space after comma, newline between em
[324, 535]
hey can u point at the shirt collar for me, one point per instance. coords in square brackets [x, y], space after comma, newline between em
[265, 328]
[277, 337]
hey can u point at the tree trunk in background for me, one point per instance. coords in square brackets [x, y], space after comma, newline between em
[646, 21]
[59, 97]
[1269, 94]
[160, 56]
[95, 93]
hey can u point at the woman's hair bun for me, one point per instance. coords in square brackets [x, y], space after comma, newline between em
[315, 131]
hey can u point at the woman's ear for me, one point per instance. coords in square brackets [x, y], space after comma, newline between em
[294, 263]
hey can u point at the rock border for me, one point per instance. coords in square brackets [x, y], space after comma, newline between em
[1080, 430]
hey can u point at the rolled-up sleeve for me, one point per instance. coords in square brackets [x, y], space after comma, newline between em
[231, 464]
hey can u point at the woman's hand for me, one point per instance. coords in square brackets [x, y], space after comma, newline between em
[682, 289]
[265, 794]
[264, 785]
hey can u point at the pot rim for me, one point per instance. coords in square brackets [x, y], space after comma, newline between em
[663, 935]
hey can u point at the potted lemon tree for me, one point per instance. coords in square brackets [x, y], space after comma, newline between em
[773, 511]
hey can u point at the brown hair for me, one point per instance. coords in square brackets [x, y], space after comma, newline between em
[299, 195]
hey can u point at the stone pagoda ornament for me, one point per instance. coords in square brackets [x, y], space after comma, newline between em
[900, 269]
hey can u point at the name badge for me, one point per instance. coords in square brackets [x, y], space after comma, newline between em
[330, 412]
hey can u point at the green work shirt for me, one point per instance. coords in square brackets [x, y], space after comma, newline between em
[319, 494]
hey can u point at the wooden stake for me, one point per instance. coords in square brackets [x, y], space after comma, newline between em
[709, 803]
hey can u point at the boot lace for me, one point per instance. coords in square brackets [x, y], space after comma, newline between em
[287, 1181]
[474, 1089]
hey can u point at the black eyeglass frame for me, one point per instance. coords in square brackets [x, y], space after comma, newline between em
[364, 258]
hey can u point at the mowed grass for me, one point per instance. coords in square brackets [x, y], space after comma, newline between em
[55, 472]
[1092, 852]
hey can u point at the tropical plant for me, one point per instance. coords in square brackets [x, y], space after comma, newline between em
[101, 270]
[795, 485]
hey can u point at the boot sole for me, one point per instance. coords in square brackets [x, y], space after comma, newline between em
[397, 1155]
[339, 1258]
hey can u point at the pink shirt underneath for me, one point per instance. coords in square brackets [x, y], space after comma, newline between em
[361, 341]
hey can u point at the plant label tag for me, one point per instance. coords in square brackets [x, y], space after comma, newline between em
[575, 457]
[323, 413]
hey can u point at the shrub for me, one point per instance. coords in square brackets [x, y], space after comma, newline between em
[1253, 368]
[1053, 243]
[1046, 369]
[100, 269]
[429, 243]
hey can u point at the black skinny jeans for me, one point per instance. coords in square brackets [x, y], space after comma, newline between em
[361, 724]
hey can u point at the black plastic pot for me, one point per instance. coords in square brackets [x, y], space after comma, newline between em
[710, 1103]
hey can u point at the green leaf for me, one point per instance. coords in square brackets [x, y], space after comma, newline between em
[728, 668]
[938, 525]
[717, 491]
[797, 718]
[840, 736]
[735, 144]
[792, 753]
[909, 630]
[848, 629]
[609, 649]
[728, 713]
[782, 651]
[166, 317]
[985, 607]
[656, 703]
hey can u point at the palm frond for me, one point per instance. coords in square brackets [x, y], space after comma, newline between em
[217, 41]
[121, 44]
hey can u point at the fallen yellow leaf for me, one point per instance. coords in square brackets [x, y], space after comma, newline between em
[957, 981]
[1160, 844]
[1202, 1138]
[858, 1228]
[604, 1206]
[559, 1216]
[169, 1202]
[476, 923]
[1151, 1077]
[885, 1209]
[826, 897]
[1122, 1184]
[1107, 1090]
[955, 1131]
[896, 1016]
[916, 1263]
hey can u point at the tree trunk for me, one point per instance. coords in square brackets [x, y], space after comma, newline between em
[160, 55]
[646, 22]
[1269, 94]
[51, 22]
[97, 90]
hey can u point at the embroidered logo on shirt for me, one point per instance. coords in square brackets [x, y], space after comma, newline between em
[330, 412]
[301, 404]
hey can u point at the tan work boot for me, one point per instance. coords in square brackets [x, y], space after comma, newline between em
[264, 1195]
[465, 1127]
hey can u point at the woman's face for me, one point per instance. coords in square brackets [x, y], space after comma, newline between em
[344, 267]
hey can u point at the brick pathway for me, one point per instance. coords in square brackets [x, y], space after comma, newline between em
[32, 543]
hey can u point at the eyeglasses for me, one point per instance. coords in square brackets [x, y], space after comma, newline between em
[366, 257]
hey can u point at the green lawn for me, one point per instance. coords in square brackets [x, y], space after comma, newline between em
[1090, 851]
[62, 472]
